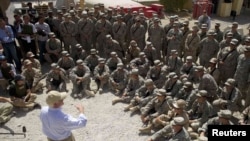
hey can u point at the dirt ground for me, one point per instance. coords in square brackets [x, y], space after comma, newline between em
[105, 121]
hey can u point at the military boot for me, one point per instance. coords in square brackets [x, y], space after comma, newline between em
[89, 93]
[134, 109]
[127, 107]
[116, 101]
[147, 129]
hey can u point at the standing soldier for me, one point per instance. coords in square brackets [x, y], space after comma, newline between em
[203, 32]
[242, 75]
[111, 45]
[97, 12]
[56, 22]
[85, 29]
[32, 77]
[94, 33]
[74, 18]
[68, 31]
[102, 27]
[208, 48]
[192, 44]
[227, 58]
[80, 77]
[56, 79]
[174, 38]
[119, 79]
[53, 48]
[156, 35]
[236, 34]
[151, 53]
[135, 81]
[137, 33]
[185, 32]
[130, 23]
[101, 75]
[119, 30]
[157, 73]
[219, 33]
[226, 42]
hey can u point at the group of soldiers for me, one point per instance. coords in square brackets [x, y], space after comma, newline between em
[180, 79]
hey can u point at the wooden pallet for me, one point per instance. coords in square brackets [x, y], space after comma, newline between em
[41, 8]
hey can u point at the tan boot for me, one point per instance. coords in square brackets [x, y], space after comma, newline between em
[116, 101]
[146, 130]
[89, 93]
[128, 107]
[134, 109]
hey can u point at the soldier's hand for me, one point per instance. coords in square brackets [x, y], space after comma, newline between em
[80, 108]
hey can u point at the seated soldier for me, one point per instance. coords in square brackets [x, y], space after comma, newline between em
[157, 106]
[6, 110]
[80, 77]
[33, 77]
[245, 119]
[53, 48]
[141, 63]
[101, 75]
[142, 96]
[7, 73]
[20, 94]
[173, 84]
[56, 79]
[112, 61]
[81, 53]
[35, 63]
[92, 60]
[119, 79]
[135, 81]
[66, 62]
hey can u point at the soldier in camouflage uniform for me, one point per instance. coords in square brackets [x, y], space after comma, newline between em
[208, 48]
[112, 61]
[119, 30]
[151, 53]
[35, 63]
[111, 45]
[68, 31]
[135, 81]
[201, 110]
[137, 33]
[236, 34]
[156, 35]
[141, 63]
[213, 70]
[203, 32]
[56, 79]
[101, 74]
[66, 62]
[192, 44]
[227, 58]
[219, 33]
[245, 117]
[32, 76]
[119, 79]
[155, 107]
[85, 29]
[92, 60]
[226, 42]
[132, 51]
[142, 96]
[53, 48]
[174, 62]
[185, 32]
[157, 73]
[6, 110]
[242, 75]
[187, 69]
[57, 21]
[94, 33]
[80, 77]
[172, 85]
[74, 17]
[81, 53]
[102, 27]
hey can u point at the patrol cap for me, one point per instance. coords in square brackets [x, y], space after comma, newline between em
[93, 51]
[179, 121]
[59, 12]
[173, 51]
[133, 43]
[227, 114]
[72, 12]
[52, 34]
[134, 13]
[79, 9]
[120, 65]
[188, 84]
[141, 15]
[108, 36]
[149, 44]
[230, 34]
[213, 60]
[219, 102]
[230, 82]
[179, 104]
[79, 62]
[210, 32]
[189, 58]
[158, 63]
[119, 17]
[2, 58]
[101, 4]
[27, 62]
[101, 60]
[203, 26]
[135, 71]
[199, 68]
[172, 17]
[172, 75]
[185, 23]
[247, 48]
[78, 46]
[217, 24]
[19, 77]
[102, 15]
[234, 41]
[64, 53]
[202, 93]
[84, 13]
[55, 66]
[161, 92]
[149, 82]
[113, 53]
[175, 24]
[195, 28]
[67, 15]
[96, 6]
[235, 23]
[142, 54]
[29, 54]
[55, 96]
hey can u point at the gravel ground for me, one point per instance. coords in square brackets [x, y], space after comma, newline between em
[105, 122]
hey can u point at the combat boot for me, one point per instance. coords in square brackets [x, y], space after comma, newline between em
[134, 109]
[146, 130]
[128, 107]
[116, 101]
[89, 93]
